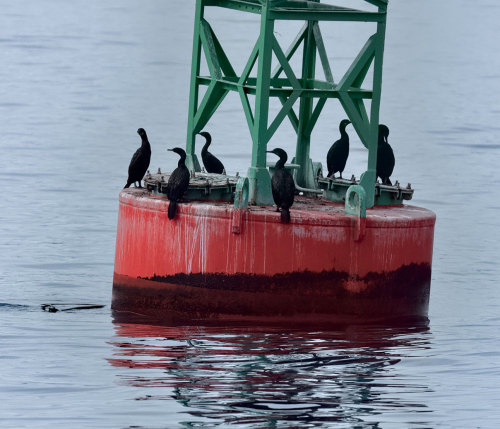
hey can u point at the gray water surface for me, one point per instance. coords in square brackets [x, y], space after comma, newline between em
[76, 81]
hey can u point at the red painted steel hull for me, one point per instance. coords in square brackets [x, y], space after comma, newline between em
[213, 262]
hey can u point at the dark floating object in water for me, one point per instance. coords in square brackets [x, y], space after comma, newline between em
[385, 156]
[282, 185]
[338, 153]
[211, 162]
[140, 161]
[53, 309]
[50, 308]
[178, 182]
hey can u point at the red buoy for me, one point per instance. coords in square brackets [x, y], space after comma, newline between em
[215, 262]
[355, 254]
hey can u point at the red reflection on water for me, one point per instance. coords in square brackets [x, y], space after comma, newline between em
[236, 374]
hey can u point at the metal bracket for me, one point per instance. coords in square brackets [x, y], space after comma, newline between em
[355, 205]
[355, 201]
[241, 193]
[240, 202]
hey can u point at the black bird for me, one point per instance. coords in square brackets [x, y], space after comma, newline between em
[140, 161]
[282, 186]
[338, 153]
[178, 182]
[211, 163]
[385, 156]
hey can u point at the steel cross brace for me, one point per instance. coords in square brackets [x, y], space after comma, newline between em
[289, 88]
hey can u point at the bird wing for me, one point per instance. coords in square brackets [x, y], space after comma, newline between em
[391, 158]
[219, 167]
[331, 157]
[336, 158]
[276, 189]
[178, 183]
[136, 157]
[283, 188]
[289, 190]
[212, 163]
[385, 160]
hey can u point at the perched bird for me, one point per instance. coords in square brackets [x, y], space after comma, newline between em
[282, 185]
[211, 163]
[140, 161]
[385, 156]
[338, 153]
[178, 182]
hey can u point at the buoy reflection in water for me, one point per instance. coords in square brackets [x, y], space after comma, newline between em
[268, 376]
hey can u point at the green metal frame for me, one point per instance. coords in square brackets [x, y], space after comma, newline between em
[286, 86]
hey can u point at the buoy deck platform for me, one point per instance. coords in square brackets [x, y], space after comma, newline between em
[214, 262]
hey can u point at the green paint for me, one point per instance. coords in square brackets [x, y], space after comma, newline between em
[294, 92]
[355, 201]
[241, 193]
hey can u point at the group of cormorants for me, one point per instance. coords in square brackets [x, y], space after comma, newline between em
[282, 183]
[178, 181]
[338, 153]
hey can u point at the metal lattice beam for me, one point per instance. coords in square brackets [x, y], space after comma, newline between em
[284, 84]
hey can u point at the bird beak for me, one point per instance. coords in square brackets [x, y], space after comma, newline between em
[171, 150]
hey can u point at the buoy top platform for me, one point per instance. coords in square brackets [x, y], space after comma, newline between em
[352, 250]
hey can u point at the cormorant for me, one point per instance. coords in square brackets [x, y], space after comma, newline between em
[282, 185]
[178, 182]
[140, 161]
[338, 153]
[385, 156]
[211, 163]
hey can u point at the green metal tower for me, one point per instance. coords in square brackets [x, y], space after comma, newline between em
[284, 84]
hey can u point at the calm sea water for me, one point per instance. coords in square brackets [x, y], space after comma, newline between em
[76, 81]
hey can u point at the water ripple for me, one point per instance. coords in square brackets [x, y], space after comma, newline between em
[273, 376]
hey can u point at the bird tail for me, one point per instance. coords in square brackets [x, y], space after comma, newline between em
[172, 209]
[285, 216]
[127, 185]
